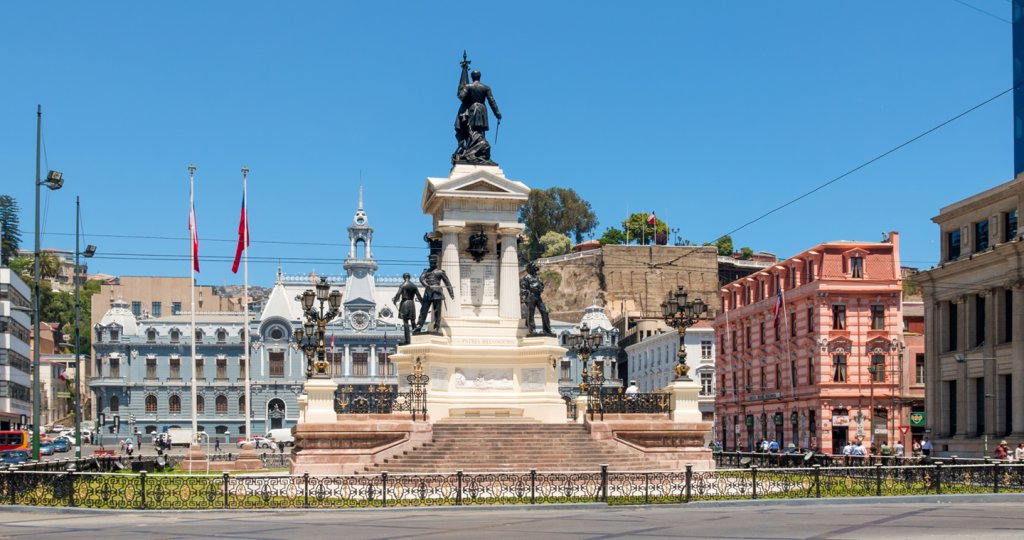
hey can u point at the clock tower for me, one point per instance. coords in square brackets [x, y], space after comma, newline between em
[360, 293]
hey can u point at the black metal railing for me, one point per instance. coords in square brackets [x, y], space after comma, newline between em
[649, 403]
[807, 459]
[378, 400]
[183, 492]
[271, 460]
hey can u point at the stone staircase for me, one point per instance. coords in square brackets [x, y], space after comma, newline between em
[479, 446]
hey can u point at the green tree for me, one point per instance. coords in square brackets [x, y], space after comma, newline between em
[746, 253]
[554, 209]
[612, 235]
[23, 267]
[10, 230]
[644, 233]
[555, 244]
[724, 245]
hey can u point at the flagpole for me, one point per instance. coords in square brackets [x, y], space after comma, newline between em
[192, 289]
[245, 305]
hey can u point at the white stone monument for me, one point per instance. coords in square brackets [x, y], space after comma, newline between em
[483, 364]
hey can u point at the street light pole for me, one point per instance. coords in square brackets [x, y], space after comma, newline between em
[35, 300]
[90, 250]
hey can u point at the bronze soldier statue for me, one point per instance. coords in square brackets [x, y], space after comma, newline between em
[433, 295]
[471, 121]
[532, 288]
[409, 295]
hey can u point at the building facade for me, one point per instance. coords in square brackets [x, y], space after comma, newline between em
[974, 312]
[652, 362]
[15, 352]
[143, 365]
[830, 364]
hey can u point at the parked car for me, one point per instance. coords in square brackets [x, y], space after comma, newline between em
[282, 435]
[61, 444]
[46, 448]
[13, 457]
[258, 441]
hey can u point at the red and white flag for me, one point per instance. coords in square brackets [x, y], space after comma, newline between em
[194, 234]
[243, 237]
[651, 219]
[332, 342]
[779, 307]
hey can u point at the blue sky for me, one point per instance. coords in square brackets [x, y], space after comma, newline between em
[708, 113]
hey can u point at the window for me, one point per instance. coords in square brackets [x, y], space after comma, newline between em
[150, 368]
[981, 235]
[241, 368]
[175, 368]
[200, 369]
[979, 320]
[810, 271]
[175, 308]
[222, 368]
[222, 404]
[1009, 225]
[878, 368]
[200, 404]
[705, 349]
[951, 322]
[747, 330]
[115, 404]
[175, 336]
[199, 336]
[222, 336]
[953, 245]
[150, 336]
[950, 402]
[760, 333]
[277, 364]
[707, 383]
[157, 309]
[838, 317]
[856, 267]
[919, 368]
[334, 359]
[749, 381]
[979, 405]
[810, 371]
[174, 404]
[791, 274]
[734, 346]
[115, 367]
[115, 334]
[810, 320]
[136, 308]
[360, 364]
[276, 333]
[792, 374]
[839, 368]
[877, 317]
[776, 326]
[792, 319]
[778, 377]
[150, 404]
[1007, 315]
[241, 404]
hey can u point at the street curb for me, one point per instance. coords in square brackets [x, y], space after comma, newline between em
[471, 508]
[902, 499]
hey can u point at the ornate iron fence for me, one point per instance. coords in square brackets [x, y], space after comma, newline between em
[386, 399]
[651, 403]
[184, 492]
[808, 459]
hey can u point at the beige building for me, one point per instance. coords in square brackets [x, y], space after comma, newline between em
[974, 313]
[152, 297]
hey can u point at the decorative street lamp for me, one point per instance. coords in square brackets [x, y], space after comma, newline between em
[585, 344]
[681, 313]
[310, 336]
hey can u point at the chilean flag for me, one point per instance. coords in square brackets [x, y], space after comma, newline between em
[779, 301]
[651, 219]
[243, 238]
[194, 234]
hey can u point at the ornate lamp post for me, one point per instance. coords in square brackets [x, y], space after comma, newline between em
[592, 382]
[681, 313]
[310, 336]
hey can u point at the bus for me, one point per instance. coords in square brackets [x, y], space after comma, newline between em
[14, 440]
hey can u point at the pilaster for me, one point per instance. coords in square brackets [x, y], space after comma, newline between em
[1017, 373]
[508, 301]
[450, 264]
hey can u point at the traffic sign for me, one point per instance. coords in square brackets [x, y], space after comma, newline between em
[63, 394]
[904, 429]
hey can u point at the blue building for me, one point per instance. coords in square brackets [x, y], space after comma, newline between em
[143, 366]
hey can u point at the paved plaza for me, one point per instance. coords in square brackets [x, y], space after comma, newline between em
[832, 520]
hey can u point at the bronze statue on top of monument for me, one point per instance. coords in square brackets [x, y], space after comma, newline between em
[471, 122]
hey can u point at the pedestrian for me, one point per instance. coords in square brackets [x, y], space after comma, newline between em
[632, 390]
[216, 445]
[899, 449]
[926, 447]
[765, 445]
[773, 446]
[1002, 451]
[123, 442]
[916, 449]
[129, 447]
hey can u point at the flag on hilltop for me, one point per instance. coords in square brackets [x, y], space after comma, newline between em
[243, 237]
[194, 235]
[651, 219]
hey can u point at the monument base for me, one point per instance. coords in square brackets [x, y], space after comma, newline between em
[351, 442]
[673, 444]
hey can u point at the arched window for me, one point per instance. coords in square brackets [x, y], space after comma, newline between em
[241, 404]
[200, 404]
[150, 430]
[150, 335]
[174, 404]
[220, 430]
[222, 335]
[150, 403]
[222, 404]
[115, 404]
[199, 336]
[175, 336]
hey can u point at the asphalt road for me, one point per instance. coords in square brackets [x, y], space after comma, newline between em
[829, 520]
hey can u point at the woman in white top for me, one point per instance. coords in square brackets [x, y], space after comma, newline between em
[1018, 453]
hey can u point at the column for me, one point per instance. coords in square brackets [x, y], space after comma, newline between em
[991, 379]
[963, 406]
[508, 299]
[934, 337]
[347, 362]
[450, 264]
[1017, 374]
[373, 360]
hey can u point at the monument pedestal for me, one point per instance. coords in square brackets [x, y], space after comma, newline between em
[351, 442]
[319, 403]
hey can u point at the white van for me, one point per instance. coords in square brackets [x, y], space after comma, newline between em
[281, 435]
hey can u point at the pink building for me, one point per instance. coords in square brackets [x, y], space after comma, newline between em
[832, 366]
